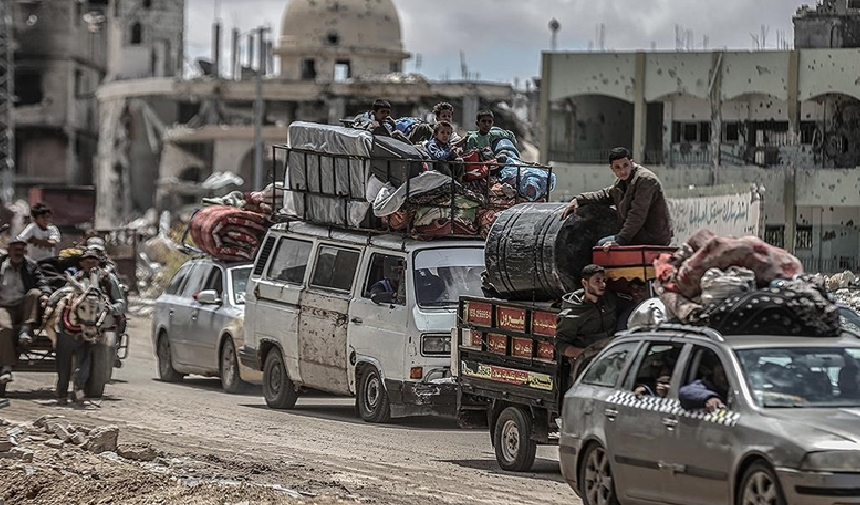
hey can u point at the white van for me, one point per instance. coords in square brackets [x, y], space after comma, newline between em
[310, 322]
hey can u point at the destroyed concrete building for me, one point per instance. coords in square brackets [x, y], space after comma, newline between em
[789, 119]
[162, 136]
[60, 58]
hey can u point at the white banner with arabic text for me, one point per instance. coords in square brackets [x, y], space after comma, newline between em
[735, 214]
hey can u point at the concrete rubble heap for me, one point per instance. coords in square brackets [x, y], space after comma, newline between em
[56, 460]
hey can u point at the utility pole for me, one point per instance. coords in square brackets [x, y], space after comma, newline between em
[259, 171]
[7, 102]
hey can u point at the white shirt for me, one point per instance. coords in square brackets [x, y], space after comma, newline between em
[37, 253]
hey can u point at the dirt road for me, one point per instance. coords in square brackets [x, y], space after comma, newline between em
[320, 448]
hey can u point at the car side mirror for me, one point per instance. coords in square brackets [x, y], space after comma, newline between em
[208, 297]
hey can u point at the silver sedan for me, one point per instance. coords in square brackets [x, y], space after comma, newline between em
[198, 324]
[746, 420]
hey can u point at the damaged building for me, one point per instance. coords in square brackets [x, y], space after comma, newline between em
[788, 119]
[60, 58]
[162, 135]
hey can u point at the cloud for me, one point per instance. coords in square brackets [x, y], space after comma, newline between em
[502, 39]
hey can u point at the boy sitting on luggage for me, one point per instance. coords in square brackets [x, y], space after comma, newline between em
[378, 121]
[488, 134]
[440, 149]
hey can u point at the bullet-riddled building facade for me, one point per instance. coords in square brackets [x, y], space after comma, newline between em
[789, 120]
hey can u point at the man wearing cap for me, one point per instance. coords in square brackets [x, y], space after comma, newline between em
[22, 289]
[70, 345]
[588, 315]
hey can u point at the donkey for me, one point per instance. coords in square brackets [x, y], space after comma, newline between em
[82, 308]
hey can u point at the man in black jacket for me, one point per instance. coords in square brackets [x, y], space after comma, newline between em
[22, 289]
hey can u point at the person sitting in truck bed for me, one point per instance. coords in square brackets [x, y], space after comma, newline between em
[379, 122]
[488, 134]
[588, 315]
[643, 213]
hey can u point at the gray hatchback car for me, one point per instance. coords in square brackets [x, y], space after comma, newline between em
[787, 432]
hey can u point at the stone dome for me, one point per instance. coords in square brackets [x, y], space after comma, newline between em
[363, 26]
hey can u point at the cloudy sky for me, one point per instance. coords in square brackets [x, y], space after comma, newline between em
[502, 39]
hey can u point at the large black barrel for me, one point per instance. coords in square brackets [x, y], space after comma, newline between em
[532, 255]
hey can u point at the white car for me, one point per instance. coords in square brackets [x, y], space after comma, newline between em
[198, 324]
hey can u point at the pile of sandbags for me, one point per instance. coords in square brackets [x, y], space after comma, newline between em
[743, 286]
[227, 233]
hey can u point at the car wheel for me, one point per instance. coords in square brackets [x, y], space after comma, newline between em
[512, 440]
[760, 486]
[278, 390]
[374, 406]
[231, 381]
[595, 477]
[166, 372]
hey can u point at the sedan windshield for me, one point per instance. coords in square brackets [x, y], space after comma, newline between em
[443, 275]
[803, 376]
[239, 279]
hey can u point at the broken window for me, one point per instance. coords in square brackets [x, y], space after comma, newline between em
[803, 237]
[342, 70]
[807, 132]
[775, 235]
[28, 87]
[704, 131]
[732, 132]
[309, 69]
[136, 34]
[395, 67]
[691, 132]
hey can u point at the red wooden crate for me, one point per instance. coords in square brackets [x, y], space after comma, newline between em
[543, 323]
[480, 314]
[497, 344]
[522, 347]
[546, 350]
[511, 318]
[627, 256]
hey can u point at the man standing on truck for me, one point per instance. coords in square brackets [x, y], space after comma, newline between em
[22, 288]
[643, 213]
[588, 315]
[41, 235]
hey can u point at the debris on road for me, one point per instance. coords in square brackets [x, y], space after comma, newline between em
[53, 460]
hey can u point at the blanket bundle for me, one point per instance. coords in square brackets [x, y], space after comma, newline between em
[742, 285]
[227, 233]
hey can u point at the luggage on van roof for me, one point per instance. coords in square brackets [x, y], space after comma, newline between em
[349, 178]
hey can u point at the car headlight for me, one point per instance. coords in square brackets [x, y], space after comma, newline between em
[436, 345]
[832, 461]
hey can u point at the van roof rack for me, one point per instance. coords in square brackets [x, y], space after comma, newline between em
[702, 331]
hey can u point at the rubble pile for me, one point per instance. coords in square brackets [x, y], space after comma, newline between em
[53, 460]
[845, 289]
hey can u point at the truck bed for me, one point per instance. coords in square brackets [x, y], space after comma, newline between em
[506, 353]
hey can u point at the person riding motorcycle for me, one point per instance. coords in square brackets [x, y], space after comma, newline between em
[69, 345]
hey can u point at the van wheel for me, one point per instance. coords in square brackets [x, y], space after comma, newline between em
[512, 440]
[231, 381]
[166, 372]
[278, 390]
[374, 406]
[595, 478]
